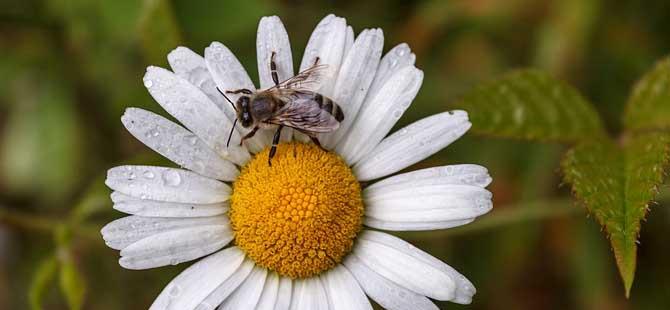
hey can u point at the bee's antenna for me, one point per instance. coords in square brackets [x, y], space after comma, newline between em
[230, 135]
[224, 96]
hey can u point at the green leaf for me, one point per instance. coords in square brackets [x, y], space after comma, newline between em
[158, 30]
[530, 104]
[617, 183]
[649, 104]
[72, 282]
[46, 272]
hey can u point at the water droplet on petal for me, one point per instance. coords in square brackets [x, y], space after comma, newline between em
[148, 174]
[171, 178]
[148, 83]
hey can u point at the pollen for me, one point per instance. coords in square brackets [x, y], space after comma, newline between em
[300, 216]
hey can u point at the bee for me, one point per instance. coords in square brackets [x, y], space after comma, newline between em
[286, 104]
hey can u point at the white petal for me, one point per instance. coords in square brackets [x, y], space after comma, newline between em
[166, 184]
[227, 287]
[343, 290]
[272, 37]
[326, 42]
[396, 59]
[466, 174]
[176, 246]
[413, 226]
[405, 270]
[309, 294]
[385, 292]
[349, 40]
[191, 66]
[412, 144]
[464, 288]
[246, 296]
[177, 144]
[152, 208]
[380, 114]
[269, 296]
[194, 110]
[357, 71]
[229, 75]
[472, 175]
[191, 286]
[284, 293]
[431, 203]
[127, 230]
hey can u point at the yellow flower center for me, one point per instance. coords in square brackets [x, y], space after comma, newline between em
[299, 216]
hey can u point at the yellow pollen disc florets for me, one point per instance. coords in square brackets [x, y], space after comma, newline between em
[299, 216]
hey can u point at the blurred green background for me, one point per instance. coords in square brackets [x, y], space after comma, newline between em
[68, 69]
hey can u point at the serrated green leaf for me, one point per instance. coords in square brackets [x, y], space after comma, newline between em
[72, 282]
[158, 30]
[46, 272]
[530, 104]
[649, 104]
[617, 184]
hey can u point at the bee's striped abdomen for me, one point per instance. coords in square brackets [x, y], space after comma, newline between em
[329, 106]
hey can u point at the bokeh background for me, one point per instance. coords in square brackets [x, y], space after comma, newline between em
[68, 69]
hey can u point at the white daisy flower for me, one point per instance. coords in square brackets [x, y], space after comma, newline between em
[297, 234]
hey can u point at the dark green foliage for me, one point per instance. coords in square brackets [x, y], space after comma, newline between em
[530, 104]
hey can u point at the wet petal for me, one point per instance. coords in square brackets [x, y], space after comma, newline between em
[357, 71]
[194, 110]
[125, 231]
[464, 288]
[229, 75]
[166, 184]
[175, 246]
[177, 144]
[386, 293]
[380, 114]
[153, 208]
[191, 287]
[412, 144]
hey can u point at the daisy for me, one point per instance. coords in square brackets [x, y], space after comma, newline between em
[302, 233]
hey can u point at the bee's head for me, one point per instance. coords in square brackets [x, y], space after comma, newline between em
[244, 111]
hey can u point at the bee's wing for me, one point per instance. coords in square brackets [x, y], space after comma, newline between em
[305, 114]
[305, 79]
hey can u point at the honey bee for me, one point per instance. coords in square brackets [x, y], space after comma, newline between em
[286, 104]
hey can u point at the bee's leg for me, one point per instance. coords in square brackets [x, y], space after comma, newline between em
[315, 140]
[241, 90]
[249, 135]
[275, 141]
[273, 69]
[316, 60]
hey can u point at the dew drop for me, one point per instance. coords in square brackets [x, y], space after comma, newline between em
[148, 174]
[397, 113]
[148, 83]
[401, 51]
[171, 178]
